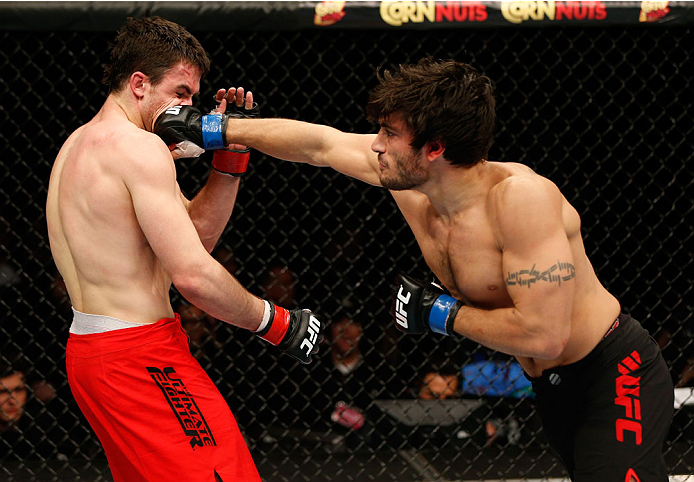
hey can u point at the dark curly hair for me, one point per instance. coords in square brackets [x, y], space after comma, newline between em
[152, 46]
[440, 100]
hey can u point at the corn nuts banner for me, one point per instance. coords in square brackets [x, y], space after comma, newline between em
[388, 14]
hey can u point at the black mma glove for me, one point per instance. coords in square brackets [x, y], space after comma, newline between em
[241, 112]
[235, 161]
[186, 124]
[296, 332]
[420, 307]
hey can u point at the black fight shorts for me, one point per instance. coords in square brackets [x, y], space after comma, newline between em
[608, 415]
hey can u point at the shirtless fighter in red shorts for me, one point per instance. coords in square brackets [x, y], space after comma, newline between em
[121, 233]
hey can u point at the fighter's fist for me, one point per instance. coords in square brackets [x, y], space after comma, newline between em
[296, 332]
[185, 123]
[420, 307]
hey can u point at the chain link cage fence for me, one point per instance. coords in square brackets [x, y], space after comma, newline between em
[604, 112]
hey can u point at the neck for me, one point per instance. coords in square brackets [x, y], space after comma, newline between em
[453, 189]
[123, 106]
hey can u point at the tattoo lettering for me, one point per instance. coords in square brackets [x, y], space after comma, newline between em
[557, 273]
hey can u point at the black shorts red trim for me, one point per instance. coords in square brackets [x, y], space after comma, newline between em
[608, 415]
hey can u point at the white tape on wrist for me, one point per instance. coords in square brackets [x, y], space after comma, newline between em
[266, 316]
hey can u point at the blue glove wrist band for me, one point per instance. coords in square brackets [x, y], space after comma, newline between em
[212, 135]
[439, 313]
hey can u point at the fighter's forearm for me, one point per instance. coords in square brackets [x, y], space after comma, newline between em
[211, 288]
[508, 331]
[286, 139]
[210, 210]
[314, 144]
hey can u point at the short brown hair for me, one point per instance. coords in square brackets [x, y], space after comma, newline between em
[440, 100]
[152, 46]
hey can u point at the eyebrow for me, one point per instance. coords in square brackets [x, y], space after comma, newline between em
[392, 128]
[187, 89]
[388, 126]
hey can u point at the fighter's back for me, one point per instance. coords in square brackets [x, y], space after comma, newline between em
[97, 243]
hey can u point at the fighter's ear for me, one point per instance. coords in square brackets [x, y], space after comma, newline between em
[435, 149]
[138, 82]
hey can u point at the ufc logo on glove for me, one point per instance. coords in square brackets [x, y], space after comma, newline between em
[400, 302]
[310, 340]
[420, 307]
[175, 110]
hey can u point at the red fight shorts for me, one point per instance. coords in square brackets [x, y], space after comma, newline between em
[156, 412]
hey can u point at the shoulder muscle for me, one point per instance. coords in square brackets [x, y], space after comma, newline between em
[526, 208]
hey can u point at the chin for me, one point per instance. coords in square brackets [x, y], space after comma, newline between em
[395, 185]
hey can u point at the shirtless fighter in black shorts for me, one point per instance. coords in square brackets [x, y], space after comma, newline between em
[507, 245]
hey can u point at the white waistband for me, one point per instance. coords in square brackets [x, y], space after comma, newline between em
[88, 324]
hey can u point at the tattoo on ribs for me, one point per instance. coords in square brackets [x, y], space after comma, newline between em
[557, 273]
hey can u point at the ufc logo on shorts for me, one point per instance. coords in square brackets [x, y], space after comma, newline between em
[627, 388]
[175, 110]
[400, 302]
[310, 341]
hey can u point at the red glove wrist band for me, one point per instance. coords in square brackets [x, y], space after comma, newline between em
[231, 162]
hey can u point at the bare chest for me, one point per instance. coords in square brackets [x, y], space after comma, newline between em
[466, 259]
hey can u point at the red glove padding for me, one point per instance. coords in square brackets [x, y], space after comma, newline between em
[295, 332]
[231, 161]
